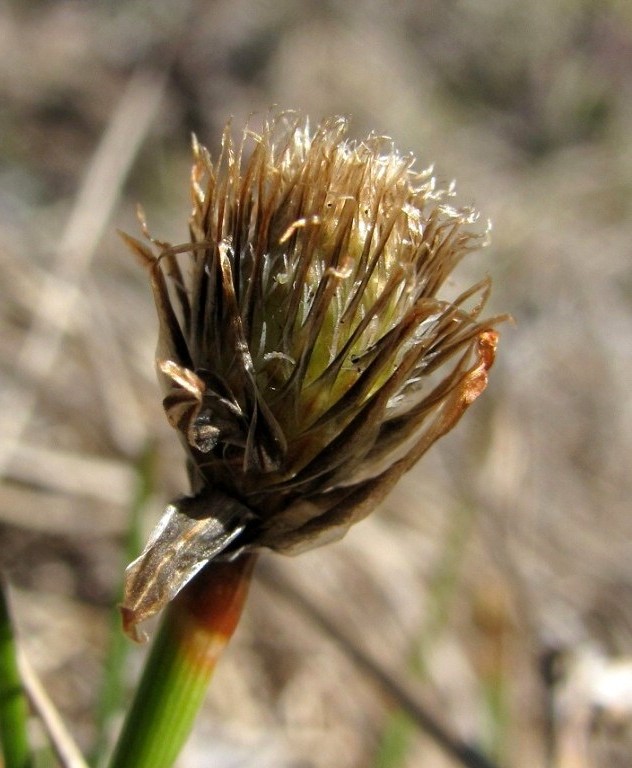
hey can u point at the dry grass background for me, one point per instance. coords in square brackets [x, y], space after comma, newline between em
[511, 540]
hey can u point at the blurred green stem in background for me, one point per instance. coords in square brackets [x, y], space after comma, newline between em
[395, 741]
[14, 707]
[399, 728]
[112, 691]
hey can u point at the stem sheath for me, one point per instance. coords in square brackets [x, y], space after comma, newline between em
[195, 629]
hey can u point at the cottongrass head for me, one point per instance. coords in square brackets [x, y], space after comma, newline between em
[306, 353]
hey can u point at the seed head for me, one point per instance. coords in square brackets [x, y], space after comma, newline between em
[306, 356]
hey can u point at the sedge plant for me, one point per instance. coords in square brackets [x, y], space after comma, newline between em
[307, 359]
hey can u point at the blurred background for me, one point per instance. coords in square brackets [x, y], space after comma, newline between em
[496, 581]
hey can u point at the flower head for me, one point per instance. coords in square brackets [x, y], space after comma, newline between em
[306, 355]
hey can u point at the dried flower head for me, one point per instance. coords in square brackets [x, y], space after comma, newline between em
[306, 357]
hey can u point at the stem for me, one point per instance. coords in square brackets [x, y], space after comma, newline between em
[61, 742]
[195, 629]
[111, 697]
[13, 703]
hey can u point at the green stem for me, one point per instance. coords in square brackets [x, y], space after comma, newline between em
[111, 697]
[194, 631]
[13, 704]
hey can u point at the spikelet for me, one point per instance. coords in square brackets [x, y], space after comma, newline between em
[306, 356]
